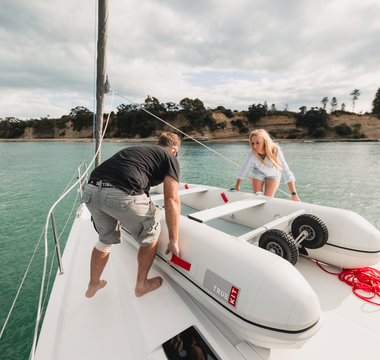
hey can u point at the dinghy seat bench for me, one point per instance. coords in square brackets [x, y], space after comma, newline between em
[181, 193]
[222, 210]
[275, 224]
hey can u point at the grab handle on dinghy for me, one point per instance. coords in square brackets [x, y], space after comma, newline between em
[180, 262]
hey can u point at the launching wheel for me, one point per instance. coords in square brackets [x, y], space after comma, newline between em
[317, 229]
[280, 243]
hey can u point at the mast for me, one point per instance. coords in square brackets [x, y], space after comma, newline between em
[102, 84]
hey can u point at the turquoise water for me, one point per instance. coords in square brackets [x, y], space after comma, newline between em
[34, 175]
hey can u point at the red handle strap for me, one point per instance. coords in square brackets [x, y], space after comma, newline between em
[180, 262]
[224, 197]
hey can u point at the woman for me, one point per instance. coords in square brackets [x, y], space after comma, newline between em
[268, 164]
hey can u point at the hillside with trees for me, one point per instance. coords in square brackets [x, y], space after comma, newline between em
[141, 121]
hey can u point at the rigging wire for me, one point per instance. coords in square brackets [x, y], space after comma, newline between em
[281, 183]
[30, 263]
[183, 133]
[22, 283]
[200, 143]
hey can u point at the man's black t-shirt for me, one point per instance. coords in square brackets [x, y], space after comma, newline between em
[138, 168]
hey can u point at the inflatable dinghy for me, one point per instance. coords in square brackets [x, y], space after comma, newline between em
[237, 257]
[334, 236]
[260, 295]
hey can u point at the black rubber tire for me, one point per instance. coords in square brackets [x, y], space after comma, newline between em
[280, 243]
[317, 229]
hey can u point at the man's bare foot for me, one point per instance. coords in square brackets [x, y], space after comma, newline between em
[149, 285]
[93, 289]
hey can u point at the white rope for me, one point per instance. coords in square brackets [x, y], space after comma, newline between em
[46, 231]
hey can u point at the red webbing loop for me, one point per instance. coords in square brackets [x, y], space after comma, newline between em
[186, 186]
[180, 262]
[224, 197]
[365, 279]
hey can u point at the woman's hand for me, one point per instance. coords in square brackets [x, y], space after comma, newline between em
[296, 198]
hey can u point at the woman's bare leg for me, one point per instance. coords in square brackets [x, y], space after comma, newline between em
[271, 186]
[257, 185]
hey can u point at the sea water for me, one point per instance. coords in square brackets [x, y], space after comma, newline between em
[35, 174]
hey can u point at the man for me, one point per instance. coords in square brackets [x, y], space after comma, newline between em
[118, 194]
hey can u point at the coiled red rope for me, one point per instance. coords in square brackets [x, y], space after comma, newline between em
[365, 279]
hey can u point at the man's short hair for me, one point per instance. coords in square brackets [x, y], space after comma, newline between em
[169, 140]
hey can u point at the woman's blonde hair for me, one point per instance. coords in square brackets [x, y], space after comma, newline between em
[270, 147]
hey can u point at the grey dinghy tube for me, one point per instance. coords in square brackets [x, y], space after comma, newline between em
[352, 241]
[258, 294]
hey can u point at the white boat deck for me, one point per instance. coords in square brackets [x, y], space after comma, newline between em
[351, 328]
[117, 325]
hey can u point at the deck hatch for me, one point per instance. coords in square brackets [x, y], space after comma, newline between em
[188, 345]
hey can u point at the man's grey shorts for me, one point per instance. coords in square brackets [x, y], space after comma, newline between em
[111, 207]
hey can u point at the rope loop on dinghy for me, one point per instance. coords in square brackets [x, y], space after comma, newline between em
[364, 279]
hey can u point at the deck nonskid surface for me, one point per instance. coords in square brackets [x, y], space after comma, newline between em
[117, 325]
[350, 328]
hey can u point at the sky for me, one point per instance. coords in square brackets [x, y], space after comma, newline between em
[290, 53]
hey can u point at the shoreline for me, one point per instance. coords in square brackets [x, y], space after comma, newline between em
[226, 140]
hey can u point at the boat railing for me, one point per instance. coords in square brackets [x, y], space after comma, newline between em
[81, 181]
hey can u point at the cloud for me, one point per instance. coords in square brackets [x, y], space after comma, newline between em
[224, 53]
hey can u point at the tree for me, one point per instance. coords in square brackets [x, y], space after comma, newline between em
[171, 106]
[266, 106]
[195, 112]
[355, 95]
[256, 112]
[314, 119]
[273, 108]
[324, 101]
[376, 103]
[153, 105]
[191, 105]
[81, 118]
[303, 110]
[334, 104]
[11, 128]
[343, 130]
[343, 108]
[131, 120]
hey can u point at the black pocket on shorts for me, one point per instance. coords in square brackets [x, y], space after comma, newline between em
[119, 202]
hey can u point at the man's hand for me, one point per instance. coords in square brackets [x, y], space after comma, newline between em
[172, 214]
[173, 248]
